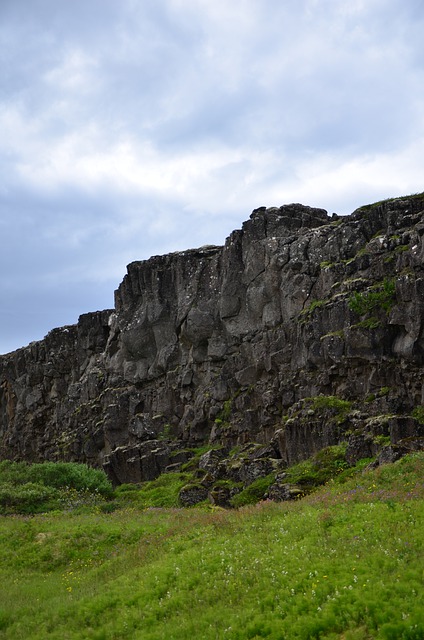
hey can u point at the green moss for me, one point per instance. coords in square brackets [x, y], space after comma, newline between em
[166, 432]
[226, 483]
[379, 394]
[340, 407]
[315, 304]
[418, 414]
[326, 464]
[162, 492]
[254, 492]
[196, 455]
[401, 248]
[379, 297]
[223, 417]
[368, 207]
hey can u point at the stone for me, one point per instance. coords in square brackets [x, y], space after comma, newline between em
[193, 494]
[224, 346]
[281, 490]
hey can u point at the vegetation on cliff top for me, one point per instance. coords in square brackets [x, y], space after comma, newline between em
[368, 207]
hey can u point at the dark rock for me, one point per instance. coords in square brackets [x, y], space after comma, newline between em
[360, 445]
[228, 345]
[402, 427]
[403, 447]
[220, 495]
[193, 494]
[210, 461]
[281, 491]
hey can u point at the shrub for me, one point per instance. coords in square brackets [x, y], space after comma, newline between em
[57, 475]
[34, 488]
[27, 498]
[380, 297]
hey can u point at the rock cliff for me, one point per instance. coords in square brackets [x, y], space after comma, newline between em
[301, 332]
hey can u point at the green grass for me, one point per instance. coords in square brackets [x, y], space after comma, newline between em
[322, 467]
[345, 563]
[162, 492]
[254, 492]
[339, 407]
[368, 207]
[34, 488]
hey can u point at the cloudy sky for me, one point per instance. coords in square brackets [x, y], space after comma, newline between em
[131, 128]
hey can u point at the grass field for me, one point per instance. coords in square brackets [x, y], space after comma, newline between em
[345, 563]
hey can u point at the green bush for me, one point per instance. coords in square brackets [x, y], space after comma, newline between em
[34, 488]
[57, 475]
[380, 297]
[27, 498]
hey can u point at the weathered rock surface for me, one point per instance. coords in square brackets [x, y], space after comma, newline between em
[230, 345]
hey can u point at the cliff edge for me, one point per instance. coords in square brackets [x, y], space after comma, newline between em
[301, 332]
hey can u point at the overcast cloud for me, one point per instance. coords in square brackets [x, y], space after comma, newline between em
[132, 128]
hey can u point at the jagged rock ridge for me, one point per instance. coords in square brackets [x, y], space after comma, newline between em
[233, 345]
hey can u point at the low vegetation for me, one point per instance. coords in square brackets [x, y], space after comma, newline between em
[339, 408]
[35, 488]
[379, 298]
[346, 562]
[162, 492]
[368, 207]
[324, 466]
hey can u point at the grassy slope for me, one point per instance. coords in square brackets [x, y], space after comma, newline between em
[344, 563]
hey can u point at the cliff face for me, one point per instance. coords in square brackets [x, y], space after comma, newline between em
[302, 331]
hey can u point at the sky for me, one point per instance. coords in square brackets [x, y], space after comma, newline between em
[132, 128]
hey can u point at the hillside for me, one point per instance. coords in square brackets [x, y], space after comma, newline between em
[345, 563]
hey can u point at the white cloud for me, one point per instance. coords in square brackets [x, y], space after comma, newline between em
[76, 72]
[131, 129]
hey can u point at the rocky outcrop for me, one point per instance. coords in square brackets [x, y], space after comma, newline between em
[302, 331]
